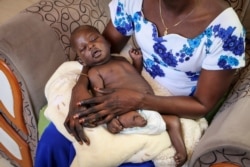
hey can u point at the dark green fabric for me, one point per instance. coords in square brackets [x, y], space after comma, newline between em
[209, 117]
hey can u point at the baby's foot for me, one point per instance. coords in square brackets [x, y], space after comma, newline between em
[132, 119]
[180, 159]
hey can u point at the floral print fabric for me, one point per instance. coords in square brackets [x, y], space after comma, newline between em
[176, 61]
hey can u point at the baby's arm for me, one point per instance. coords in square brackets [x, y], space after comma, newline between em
[136, 56]
[95, 81]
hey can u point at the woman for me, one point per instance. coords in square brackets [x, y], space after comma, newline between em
[192, 47]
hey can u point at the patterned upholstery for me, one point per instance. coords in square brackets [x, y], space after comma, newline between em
[237, 5]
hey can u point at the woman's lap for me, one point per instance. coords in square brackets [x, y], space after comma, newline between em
[145, 164]
[54, 150]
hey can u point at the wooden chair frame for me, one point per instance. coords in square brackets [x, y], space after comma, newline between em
[12, 125]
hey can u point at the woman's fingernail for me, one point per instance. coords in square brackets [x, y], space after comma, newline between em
[76, 116]
[80, 103]
[81, 120]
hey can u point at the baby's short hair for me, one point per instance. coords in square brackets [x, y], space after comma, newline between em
[84, 27]
[81, 28]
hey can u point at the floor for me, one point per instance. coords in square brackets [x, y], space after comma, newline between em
[8, 9]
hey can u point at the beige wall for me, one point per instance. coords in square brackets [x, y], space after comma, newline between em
[8, 8]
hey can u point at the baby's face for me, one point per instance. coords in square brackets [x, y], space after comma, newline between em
[92, 48]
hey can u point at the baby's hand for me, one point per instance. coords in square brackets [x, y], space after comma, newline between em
[114, 126]
[135, 54]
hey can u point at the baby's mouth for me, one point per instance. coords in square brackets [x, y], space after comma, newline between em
[96, 53]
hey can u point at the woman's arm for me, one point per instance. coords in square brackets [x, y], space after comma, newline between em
[212, 85]
[79, 92]
[116, 39]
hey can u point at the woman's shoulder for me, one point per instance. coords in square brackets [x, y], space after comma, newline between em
[214, 4]
[214, 12]
[224, 15]
[212, 7]
[227, 17]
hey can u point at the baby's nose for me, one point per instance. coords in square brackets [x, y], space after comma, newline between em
[90, 45]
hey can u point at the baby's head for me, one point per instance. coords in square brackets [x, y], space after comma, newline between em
[91, 47]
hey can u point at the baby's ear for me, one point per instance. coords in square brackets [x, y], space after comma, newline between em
[81, 61]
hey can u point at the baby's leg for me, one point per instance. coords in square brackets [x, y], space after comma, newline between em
[175, 133]
[128, 120]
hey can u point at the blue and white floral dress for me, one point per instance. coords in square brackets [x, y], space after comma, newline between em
[175, 61]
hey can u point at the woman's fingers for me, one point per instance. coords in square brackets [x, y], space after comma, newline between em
[74, 128]
[90, 101]
[100, 117]
[82, 136]
[96, 107]
[100, 108]
[105, 120]
[66, 125]
[104, 90]
[96, 100]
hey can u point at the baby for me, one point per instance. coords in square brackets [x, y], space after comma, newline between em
[113, 72]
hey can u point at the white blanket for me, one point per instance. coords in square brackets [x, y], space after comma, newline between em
[106, 149]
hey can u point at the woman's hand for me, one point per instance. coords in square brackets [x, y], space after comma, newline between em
[79, 92]
[74, 128]
[114, 102]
